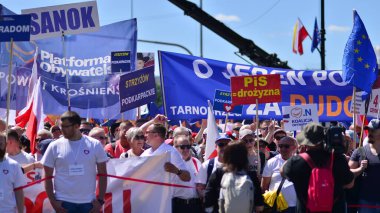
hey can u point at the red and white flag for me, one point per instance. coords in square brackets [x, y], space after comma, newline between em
[23, 116]
[212, 133]
[35, 116]
[299, 34]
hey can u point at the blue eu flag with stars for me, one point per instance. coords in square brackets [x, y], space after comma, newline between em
[359, 59]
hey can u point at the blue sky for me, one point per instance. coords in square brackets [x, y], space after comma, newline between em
[267, 23]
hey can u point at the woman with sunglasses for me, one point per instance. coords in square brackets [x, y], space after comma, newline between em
[136, 140]
[272, 178]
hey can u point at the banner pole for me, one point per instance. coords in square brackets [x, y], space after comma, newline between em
[65, 68]
[354, 115]
[225, 123]
[257, 138]
[9, 81]
[122, 114]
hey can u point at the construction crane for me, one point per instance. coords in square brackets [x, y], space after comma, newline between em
[246, 47]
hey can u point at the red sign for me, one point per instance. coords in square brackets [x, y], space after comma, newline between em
[264, 88]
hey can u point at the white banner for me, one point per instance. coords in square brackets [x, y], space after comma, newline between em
[134, 185]
[68, 18]
[295, 117]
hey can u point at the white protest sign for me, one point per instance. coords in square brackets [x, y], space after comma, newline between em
[373, 103]
[295, 117]
[132, 184]
[68, 18]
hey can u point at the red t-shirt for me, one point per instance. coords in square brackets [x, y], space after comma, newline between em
[118, 149]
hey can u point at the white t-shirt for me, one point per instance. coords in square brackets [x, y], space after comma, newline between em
[175, 157]
[22, 158]
[11, 177]
[187, 193]
[74, 163]
[272, 169]
[202, 174]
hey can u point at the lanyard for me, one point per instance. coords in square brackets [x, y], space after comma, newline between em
[76, 155]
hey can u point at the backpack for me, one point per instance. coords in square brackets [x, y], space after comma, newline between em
[210, 166]
[320, 193]
[236, 193]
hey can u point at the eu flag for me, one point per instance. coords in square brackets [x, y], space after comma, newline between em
[316, 37]
[359, 59]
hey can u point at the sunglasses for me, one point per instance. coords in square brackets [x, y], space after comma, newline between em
[84, 131]
[221, 144]
[184, 146]
[278, 137]
[286, 146]
[139, 137]
[251, 140]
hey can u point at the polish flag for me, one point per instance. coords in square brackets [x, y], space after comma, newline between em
[299, 34]
[35, 117]
[212, 133]
[23, 116]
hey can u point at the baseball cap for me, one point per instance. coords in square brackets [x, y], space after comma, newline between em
[373, 124]
[312, 135]
[245, 132]
[221, 138]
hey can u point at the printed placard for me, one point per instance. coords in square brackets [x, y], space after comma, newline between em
[16, 27]
[120, 61]
[222, 102]
[296, 117]
[137, 88]
[68, 19]
[248, 89]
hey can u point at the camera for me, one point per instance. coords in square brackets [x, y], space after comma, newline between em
[334, 138]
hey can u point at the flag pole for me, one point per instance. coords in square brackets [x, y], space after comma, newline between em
[225, 123]
[257, 139]
[354, 115]
[323, 38]
[9, 81]
[65, 68]
[366, 105]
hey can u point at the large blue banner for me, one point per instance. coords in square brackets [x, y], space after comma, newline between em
[188, 82]
[93, 88]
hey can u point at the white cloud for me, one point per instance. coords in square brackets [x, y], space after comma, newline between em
[227, 18]
[336, 28]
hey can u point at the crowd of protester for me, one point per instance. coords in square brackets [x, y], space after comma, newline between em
[265, 153]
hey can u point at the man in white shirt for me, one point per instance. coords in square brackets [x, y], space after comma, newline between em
[76, 160]
[14, 149]
[155, 135]
[186, 200]
[11, 176]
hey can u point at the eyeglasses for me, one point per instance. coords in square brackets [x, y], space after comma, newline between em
[251, 140]
[139, 137]
[66, 126]
[102, 138]
[279, 137]
[55, 130]
[221, 144]
[286, 146]
[84, 131]
[183, 146]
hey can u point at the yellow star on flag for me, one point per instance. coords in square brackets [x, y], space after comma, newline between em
[359, 42]
[364, 37]
[356, 50]
[360, 59]
[366, 66]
